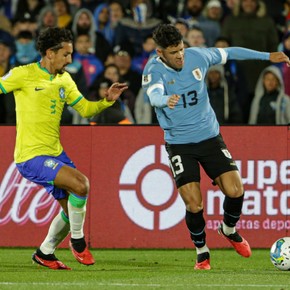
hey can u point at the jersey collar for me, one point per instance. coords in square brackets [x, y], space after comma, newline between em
[51, 76]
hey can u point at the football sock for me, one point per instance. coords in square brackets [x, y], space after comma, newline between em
[78, 244]
[77, 213]
[202, 257]
[196, 226]
[58, 230]
[228, 230]
[232, 210]
[202, 250]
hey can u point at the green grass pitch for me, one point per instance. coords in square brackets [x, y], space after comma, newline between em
[143, 269]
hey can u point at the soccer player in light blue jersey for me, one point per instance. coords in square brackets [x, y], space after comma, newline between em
[174, 81]
[41, 90]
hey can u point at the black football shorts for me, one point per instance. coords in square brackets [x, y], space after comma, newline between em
[211, 154]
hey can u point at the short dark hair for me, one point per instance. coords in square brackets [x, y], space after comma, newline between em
[51, 38]
[166, 35]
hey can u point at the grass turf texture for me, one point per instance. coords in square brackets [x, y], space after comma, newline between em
[143, 269]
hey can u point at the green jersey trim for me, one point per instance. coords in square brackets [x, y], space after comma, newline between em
[76, 101]
[2, 89]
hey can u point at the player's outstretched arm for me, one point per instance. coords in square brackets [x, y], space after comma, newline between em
[115, 90]
[280, 56]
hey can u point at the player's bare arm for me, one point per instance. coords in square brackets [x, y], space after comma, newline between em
[172, 101]
[115, 90]
[280, 56]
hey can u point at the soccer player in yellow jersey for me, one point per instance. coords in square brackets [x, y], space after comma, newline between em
[41, 90]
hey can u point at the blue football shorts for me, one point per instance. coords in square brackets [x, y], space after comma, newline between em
[43, 169]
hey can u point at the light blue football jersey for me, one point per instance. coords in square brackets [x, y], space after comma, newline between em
[193, 119]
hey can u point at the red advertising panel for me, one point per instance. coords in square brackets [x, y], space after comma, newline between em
[133, 201]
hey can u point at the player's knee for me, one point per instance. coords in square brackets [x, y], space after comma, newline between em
[83, 186]
[234, 191]
[194, 206]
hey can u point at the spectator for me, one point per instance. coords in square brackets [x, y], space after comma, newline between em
[7, 103]
[250, 27]
[62, 9]
[25, 24]
[114, 114]
[47, 18]
[102, 22]
[132, 30]
[112, 73]
[139, 61]
[276, 11]
[75, 5]
[117, 12]
[194, 17]
[28, 9]
[270, 106]
[170, 9]
[222, 97]
[182, 26]
[123, 60]
[83, 22]
[213, 11]
[235, 78]
[195, 37]
[92, 66]
[26, 51]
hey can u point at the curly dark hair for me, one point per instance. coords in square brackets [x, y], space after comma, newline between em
[52, 38]
[166, 35]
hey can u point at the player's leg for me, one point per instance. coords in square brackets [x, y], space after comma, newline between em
[77, 184]
[219, 165]
[230, 184]
[58, 230]
[195, 222]
[185, 170]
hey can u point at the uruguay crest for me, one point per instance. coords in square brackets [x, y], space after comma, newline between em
[197, 74]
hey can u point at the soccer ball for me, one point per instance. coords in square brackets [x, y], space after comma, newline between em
[280, 254]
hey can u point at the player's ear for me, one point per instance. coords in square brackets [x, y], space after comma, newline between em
[159, 51]
[49, 53]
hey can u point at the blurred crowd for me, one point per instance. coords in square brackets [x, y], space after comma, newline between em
[113, 41]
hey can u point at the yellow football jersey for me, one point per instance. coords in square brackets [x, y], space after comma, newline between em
[40, 99]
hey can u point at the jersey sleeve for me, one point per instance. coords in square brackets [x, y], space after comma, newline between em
[13, 80]
[152, 84]
[211, 56]
[73, 92]
[240, 53]
[85, 108]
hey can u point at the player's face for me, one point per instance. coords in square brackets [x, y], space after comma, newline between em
[61, 58]
[173, 56]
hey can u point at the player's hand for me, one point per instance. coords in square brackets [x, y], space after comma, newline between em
[172, 101]
[280, 56]
[115, 91]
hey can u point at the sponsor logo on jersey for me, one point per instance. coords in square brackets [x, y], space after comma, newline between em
[38, 89]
